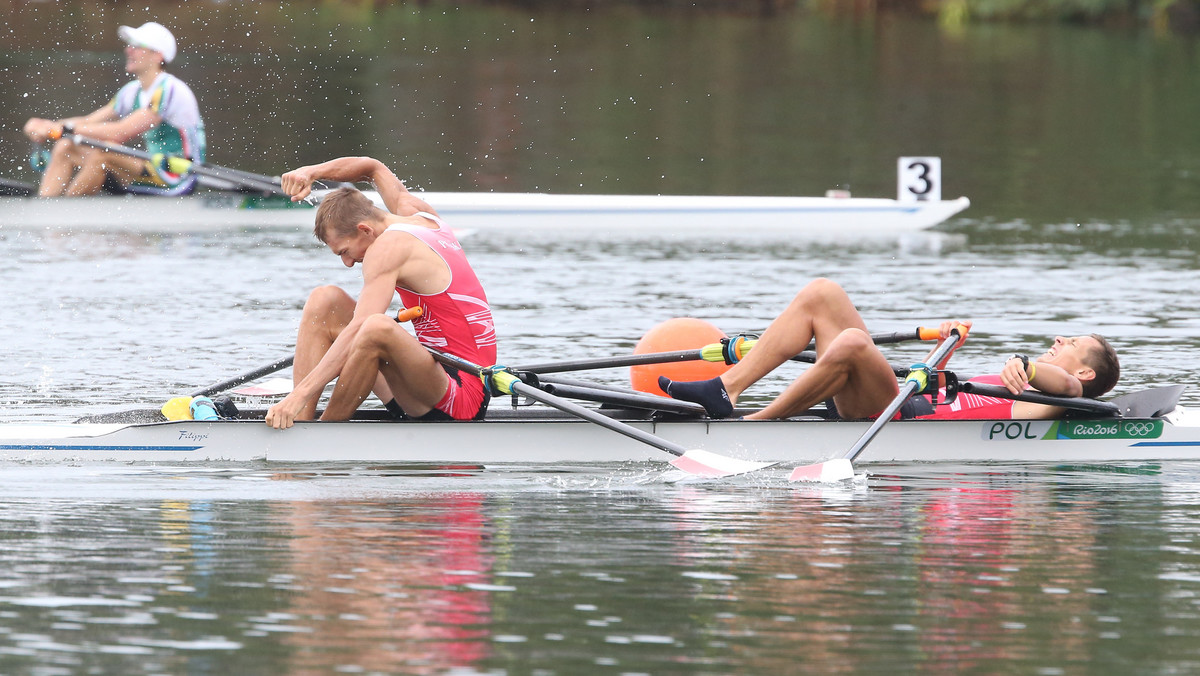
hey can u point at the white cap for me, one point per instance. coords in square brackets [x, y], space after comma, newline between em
[150, 35]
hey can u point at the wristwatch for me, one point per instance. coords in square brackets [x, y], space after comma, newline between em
[1024, 362]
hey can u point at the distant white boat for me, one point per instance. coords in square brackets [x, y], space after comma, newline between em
[802, 216]
[837, 215]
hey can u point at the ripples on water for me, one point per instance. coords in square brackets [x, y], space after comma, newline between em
[109, 319]
[352, 569]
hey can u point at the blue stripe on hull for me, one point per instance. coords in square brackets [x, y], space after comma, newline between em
[72, 447]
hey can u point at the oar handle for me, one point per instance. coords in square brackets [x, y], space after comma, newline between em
[409, 313]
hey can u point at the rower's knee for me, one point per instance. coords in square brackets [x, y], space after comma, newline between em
[62, 148]
[377, 337]
[850, 346]
[326, 298]
[819, 292]
[377, 330]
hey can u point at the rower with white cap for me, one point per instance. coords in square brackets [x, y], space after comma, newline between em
[158, 106]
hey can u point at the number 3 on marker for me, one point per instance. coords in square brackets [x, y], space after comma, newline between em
[920, 179]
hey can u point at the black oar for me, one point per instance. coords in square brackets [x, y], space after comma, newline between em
[174, 408]
[713, 352]
[917, 380]
[1035, 397]
[697, 462]
[11, 188]
[245, 377]
[181, 165]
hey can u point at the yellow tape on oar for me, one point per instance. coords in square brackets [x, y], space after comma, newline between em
[175, 165]
[716, 351]
[179, 408]
[498, 380]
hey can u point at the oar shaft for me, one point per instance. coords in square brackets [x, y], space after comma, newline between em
[1077, 403]
[520, 388]
[712, 352]
[908, 389]
[255, 182]
[245, 377]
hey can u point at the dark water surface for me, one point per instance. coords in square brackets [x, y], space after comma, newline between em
[387, 570]
[1078, 147]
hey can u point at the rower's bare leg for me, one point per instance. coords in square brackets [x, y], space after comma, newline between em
[821, 310]
[65, 158]
[381, 346]
[851, 370]
[96, 165]
[327, 311]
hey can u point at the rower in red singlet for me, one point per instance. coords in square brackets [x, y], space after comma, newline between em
[852, 372]
[406, 249]
[457, 319]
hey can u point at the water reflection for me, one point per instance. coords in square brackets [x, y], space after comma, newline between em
[408, 584]
[1036, 568]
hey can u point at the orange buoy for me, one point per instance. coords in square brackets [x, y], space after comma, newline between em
[680, 333]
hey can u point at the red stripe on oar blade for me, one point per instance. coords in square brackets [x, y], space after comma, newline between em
[829, 471]
[706, 464]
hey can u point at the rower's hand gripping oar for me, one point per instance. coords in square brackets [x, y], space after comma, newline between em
[179, 408]
[697, 462]
[920, 378]
[182, 165]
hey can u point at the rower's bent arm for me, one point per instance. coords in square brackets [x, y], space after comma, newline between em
[375, 298]
[381, 268]
[107, 128]
[41, 130]
[395, 196]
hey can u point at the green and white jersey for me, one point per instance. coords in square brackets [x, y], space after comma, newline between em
[181, 131]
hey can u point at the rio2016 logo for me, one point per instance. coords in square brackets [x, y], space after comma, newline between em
[1013, 430]
[1109, 429]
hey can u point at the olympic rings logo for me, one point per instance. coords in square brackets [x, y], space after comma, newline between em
[1140, 429]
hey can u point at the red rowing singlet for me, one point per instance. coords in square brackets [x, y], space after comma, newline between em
[973, 406]
[457, 319]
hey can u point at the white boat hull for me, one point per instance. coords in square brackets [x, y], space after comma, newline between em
[552, 439]
[814, 217]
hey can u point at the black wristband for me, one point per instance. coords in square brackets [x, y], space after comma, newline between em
[1024, 362]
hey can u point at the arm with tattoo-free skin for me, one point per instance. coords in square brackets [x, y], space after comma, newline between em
[385, 262]
[398, 200]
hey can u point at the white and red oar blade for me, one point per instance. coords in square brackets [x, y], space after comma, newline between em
[274, 387]
[830, 471]
[713, 465]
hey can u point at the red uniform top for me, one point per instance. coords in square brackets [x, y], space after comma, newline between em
[458, 318]
[973, 406]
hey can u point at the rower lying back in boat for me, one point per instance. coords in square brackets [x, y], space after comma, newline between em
[853, 373]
